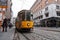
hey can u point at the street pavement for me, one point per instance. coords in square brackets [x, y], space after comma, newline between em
[7, 35]
[51, 28]
[48, 33]
[39, 33]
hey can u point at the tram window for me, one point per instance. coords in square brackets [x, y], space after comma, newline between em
[23, 17]
[28, 16]
[20, 17]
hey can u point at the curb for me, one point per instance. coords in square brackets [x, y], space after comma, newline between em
[52, 30]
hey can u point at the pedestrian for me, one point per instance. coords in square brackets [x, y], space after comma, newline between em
[4, 25]
[10, 24]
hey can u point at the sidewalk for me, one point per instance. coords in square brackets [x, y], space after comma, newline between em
[51, 29]
[7, 35]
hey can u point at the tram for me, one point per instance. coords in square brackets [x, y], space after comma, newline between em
[24, 20]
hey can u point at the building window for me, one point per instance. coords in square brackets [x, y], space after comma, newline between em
[46, 8]
[10, 0]
[4, 2]
[46, 14]
[10, 10]
[41, 6]
[46, 2]
[58, 13]
[41, 11]
[57, 7]
[41, 17]
[56, 0]
[41, 0]
[0, 9]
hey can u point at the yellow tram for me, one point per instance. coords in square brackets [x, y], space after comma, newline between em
[24, 20]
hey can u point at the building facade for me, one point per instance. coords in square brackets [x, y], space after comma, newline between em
[9, 10]
[5, 10]
[46, 13]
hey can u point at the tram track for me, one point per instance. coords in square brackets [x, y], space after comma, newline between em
[25, 37]
[34, 36]
[48, 36]
[20, 36]
[45, 36]
[16, 35]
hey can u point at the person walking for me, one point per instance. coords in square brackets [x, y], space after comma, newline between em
[4, 25]
[10, 25]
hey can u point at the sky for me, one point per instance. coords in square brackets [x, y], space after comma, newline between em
[18, 5]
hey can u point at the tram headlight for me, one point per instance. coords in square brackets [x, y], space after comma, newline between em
[28, 24]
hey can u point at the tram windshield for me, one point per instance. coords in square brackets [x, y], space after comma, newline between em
[25, 16]
[28, 15]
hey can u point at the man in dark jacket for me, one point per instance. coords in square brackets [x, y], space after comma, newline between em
[5, 25]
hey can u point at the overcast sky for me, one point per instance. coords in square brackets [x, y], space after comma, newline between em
[21, 4]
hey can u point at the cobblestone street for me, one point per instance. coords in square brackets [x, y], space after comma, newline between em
[39, 34]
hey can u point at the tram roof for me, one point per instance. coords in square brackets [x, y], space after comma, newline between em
[22, 11]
